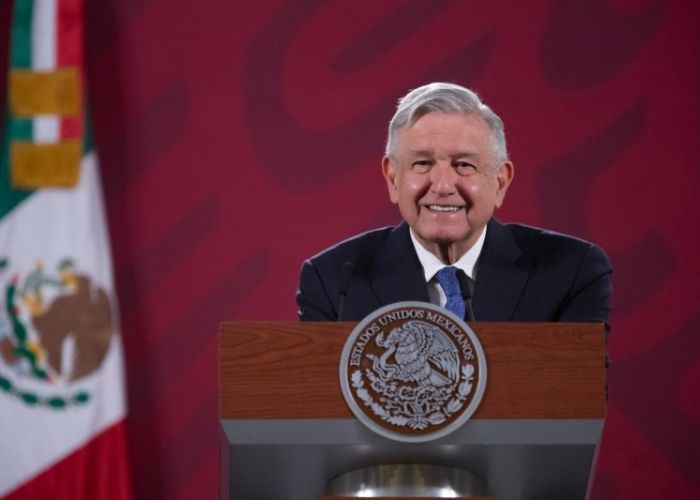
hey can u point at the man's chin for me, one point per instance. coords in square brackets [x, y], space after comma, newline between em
[443, 239]
[445, 236]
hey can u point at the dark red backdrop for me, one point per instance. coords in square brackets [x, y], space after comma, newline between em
[239, 137]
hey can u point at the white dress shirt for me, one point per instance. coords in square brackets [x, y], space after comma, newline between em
[431, 265]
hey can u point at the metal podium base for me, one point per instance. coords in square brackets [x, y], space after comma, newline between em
[407, 480]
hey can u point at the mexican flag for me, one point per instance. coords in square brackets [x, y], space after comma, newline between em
[62, 404]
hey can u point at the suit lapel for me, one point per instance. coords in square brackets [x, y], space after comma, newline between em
[501, 278]
[398, 274]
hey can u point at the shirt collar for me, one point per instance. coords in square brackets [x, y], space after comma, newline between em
[431, 264]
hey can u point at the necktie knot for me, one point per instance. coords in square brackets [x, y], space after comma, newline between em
[447, 278]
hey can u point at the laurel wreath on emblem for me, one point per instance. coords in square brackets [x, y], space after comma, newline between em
[416, 407]
[25, 354]
[417, 378]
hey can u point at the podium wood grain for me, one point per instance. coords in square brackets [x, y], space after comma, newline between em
[535, 370]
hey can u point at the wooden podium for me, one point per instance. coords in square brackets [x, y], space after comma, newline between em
[286, 430]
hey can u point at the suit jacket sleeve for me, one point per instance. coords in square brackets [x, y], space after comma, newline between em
[589, 297]
[314, 303]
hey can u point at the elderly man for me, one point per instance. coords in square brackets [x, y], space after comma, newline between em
[446, 166]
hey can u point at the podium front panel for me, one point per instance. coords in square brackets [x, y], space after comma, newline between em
[286, 430]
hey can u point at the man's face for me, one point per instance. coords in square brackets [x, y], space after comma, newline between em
[445, 178]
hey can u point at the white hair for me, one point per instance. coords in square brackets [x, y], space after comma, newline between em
[440, 97]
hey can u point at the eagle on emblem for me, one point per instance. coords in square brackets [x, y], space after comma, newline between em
[422, 353]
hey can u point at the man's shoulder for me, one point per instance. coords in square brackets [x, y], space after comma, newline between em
[535, 240]
[358, 246]
[527, 233]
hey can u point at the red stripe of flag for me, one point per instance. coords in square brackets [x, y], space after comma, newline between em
[97, 470]
[69, 52]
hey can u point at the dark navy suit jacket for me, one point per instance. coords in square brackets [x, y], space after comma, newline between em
[524, 274]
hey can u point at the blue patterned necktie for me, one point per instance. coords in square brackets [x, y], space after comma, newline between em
[447, 277]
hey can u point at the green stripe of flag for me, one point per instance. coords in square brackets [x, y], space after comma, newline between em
[20, 58]
[16, 128]
[10, 198]
[21, 39]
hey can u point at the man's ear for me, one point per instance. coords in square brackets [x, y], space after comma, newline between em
[389, 171]
[504, 177]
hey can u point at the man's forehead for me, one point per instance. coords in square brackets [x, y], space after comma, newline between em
[454, 134]
[457, 153]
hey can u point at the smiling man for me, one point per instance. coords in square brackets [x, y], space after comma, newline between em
[446, 167]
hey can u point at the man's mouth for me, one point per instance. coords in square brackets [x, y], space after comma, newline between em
[444, 208]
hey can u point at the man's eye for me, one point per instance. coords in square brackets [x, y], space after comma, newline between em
[464, 167]
[421, 165]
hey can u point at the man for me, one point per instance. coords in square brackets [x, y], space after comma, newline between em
[446, 166]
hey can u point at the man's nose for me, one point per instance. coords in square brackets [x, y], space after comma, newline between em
[443, 179]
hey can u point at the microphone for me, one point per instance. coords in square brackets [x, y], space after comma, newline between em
[466, 293]
[345, 273]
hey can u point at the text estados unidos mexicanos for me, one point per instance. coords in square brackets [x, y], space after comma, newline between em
[373, 328]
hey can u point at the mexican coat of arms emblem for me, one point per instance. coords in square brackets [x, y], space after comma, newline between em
[413, 372]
